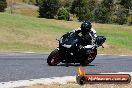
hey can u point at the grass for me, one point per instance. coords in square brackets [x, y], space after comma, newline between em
[117, 35]
[119, 38]
[23, 33]
[23, 9]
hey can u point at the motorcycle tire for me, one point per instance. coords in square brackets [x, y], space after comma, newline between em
[84, 63]
[86, 60]
[93, 56]
[53, 58]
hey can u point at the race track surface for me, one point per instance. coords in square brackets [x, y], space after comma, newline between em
[24, 66]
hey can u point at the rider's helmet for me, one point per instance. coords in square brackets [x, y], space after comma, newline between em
[86, 26]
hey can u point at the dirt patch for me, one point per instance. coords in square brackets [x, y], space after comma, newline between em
[70, 85]
[114, 50]
[107, 45]
[74, 85]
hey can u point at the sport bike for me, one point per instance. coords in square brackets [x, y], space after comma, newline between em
[72, 49]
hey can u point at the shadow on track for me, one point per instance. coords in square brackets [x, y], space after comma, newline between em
[75, 65]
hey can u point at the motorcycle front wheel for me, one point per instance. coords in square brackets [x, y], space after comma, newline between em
[88, 59]
[53, 58]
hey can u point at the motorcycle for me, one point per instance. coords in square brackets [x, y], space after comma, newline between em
[72, 50]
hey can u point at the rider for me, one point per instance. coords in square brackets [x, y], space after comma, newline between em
[88, 34]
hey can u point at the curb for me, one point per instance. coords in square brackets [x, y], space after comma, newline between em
[24, 83]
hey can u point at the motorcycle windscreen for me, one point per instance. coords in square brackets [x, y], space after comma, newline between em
[69, 40]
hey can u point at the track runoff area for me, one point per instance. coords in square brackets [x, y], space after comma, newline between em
[81, 78]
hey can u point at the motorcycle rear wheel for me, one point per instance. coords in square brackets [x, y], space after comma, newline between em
[53, 58]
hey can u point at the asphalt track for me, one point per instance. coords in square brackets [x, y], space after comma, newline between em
[25, 66]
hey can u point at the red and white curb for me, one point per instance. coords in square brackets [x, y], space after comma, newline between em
[60, 80]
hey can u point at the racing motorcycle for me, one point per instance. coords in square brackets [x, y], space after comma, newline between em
[71, 49]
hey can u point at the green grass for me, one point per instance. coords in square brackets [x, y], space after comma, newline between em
[119, 38]
[23, 33]
[116, 34]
